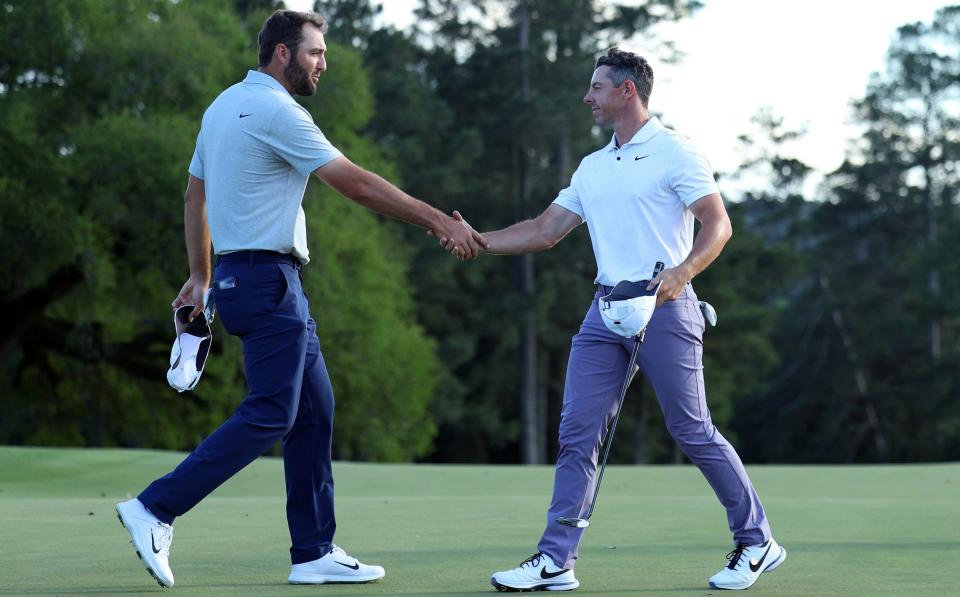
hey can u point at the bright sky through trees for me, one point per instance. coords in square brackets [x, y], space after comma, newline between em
[805, 59]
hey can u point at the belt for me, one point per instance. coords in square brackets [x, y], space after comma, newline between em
[254, 257]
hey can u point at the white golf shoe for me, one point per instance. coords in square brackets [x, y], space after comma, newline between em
[335, 567]
[747, 563]
[150, 537]
[536, 573]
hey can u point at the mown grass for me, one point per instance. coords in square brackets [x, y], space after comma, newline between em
[441, 530]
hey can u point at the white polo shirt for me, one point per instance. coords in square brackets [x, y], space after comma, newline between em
[636, 201]
[256, 149]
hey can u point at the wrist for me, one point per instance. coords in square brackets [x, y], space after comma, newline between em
[686, 270]
[435, 220]
[200, 278]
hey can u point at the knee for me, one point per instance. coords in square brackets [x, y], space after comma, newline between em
[693, 433]
[572, 445]
[268, 419]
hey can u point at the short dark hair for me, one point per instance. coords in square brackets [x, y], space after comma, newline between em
[627, 65]
[286, 27]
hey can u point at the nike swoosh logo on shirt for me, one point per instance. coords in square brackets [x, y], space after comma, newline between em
[640, 157]
[354, 567]
[244, 115]
[756, 566]
[544, 574]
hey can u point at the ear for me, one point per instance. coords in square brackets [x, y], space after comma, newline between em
[281, 53]
[629, 89]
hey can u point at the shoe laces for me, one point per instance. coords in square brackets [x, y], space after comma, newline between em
[162, 537]
[533, 561]
[736, 555]
[334, 549]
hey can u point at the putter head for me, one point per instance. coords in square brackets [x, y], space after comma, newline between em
[577, 523]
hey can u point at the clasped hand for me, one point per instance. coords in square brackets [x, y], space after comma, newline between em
[459, 238]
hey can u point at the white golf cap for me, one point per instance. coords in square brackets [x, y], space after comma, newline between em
[190, 348]
[628, 308]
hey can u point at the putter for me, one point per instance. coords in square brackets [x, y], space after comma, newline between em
[582, 523]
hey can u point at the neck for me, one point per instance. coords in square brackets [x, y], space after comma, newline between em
[277, 73]
[628, 126]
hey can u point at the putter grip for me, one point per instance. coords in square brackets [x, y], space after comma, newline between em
[657, 269]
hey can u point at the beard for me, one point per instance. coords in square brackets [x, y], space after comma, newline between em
[299, 79]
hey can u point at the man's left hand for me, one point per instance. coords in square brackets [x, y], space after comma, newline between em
[672, 280]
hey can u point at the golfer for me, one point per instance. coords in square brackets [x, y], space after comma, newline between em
[639, 196]
[255, 152]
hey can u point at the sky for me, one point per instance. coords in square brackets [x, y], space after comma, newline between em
[807, 60]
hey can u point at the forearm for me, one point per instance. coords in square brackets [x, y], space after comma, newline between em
[708, 244]
[375, 193]
[197, 235]
[518, 239]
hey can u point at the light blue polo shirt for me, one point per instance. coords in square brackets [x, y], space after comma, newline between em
[256, 149]
[636, 201]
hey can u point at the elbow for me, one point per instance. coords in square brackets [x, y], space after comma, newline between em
[548, 243]
[544, 240]
[727, 230]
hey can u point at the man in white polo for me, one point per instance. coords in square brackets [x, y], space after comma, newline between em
[255, 152]
[639, 196]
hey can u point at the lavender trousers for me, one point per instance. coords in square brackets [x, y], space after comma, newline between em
[671, 359]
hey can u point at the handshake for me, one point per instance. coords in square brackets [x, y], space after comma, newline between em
[458, 237]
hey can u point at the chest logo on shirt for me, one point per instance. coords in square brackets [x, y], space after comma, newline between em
[245, 115]
[640, 157]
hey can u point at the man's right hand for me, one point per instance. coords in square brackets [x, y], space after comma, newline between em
[459, 237]
[192, 293]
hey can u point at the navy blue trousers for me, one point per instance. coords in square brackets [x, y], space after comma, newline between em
[259, 297]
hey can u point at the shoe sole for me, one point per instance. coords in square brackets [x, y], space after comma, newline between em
[332, 580]
[773, 566]
[137, 549]
[544, 587]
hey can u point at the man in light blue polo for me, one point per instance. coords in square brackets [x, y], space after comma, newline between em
[639, 196]
[255, 152]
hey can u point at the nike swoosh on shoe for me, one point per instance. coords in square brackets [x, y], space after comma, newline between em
[353, 567]
[547, 575]
[756, 566]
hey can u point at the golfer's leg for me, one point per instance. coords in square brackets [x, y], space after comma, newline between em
[672, 360]
[595, 373]
[307, 461]
[274, 348]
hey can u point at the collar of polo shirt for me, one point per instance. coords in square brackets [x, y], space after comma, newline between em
[646, 132]
[258, 78]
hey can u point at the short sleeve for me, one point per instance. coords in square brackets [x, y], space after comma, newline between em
[691, 176]
[569, 198]
[299, 141]
[196, 163]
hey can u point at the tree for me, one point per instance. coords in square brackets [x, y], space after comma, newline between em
[440, 114]
[97, 125]
[859, 380]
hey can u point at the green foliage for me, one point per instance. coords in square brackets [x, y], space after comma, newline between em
[869, 347]
[836, 340]
[98, 125]
[97, 120]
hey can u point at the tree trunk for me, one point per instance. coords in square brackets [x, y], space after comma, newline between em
[859, 375]
[532, 436]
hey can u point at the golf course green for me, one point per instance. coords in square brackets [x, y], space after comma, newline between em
[442, 530]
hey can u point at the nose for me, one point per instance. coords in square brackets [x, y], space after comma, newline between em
[322, 65]
[587, 99]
